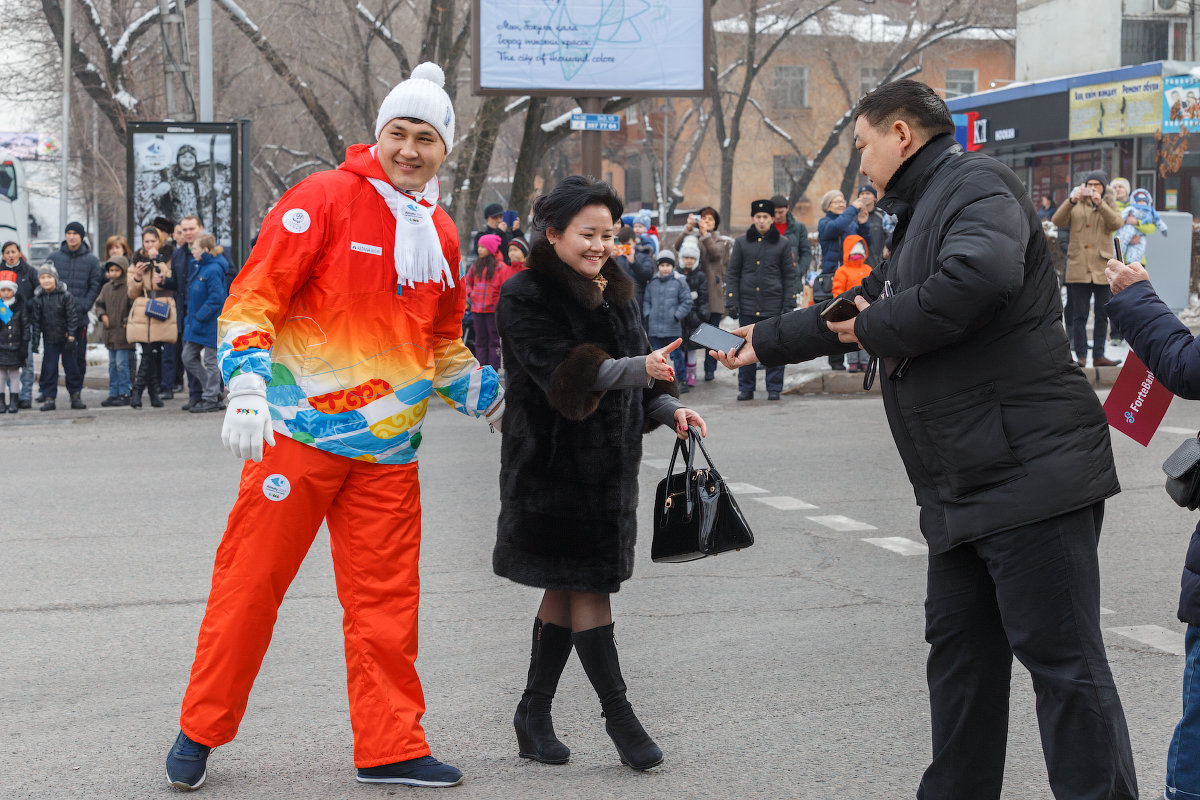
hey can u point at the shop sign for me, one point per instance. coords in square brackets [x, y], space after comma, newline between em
[1180, 104]
[1120, 108]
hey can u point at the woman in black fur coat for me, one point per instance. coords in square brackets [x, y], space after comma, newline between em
[582, 388]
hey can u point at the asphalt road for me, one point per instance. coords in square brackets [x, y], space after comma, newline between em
[794, 669]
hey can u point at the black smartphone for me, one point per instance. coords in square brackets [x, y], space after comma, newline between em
[713, 338]
[840, 310]
[1117, 254]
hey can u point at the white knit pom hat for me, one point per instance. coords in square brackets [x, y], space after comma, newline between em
[420, 97]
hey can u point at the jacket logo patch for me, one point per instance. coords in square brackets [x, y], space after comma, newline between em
[369, 249]
[276, 487]
[296, 220]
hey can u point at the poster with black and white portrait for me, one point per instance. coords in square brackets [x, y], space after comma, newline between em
[185, 170]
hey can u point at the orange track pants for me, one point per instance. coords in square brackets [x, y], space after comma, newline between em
[374, 516]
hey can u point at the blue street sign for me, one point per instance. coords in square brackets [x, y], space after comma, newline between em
[595, 122]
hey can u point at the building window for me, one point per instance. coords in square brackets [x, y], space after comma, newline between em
[786, 168]
[1145, 40]
[791, 86]
[961, 81]
[867, 78]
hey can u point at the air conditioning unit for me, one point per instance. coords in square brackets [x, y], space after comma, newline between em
[1171, 8]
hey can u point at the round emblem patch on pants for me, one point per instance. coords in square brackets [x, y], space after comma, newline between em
[276, 487]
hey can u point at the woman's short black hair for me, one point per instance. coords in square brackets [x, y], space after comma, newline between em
[911, 101]
[573, 194]
[6, 245]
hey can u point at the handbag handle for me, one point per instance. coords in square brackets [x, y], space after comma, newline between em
[689, 455]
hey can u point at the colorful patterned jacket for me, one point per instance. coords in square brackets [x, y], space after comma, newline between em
[349, 357]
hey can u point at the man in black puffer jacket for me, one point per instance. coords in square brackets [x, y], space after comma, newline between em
[1005, 444]
[761, 284]
[79, 269]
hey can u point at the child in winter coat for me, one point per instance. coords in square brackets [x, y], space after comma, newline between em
[518, 251]
[112, 307]
[56, 317]
[853, 270]
[697, 283]
[665, 307]
[483, 290]
[1141, 220]
[14, 340]
[205, 298]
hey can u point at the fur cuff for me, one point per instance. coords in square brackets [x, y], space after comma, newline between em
[570, 391]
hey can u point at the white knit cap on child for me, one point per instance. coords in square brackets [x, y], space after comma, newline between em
[420, 97]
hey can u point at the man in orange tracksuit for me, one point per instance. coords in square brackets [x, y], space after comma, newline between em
[346, 318]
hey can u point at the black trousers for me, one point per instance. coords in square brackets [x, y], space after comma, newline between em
[1032, 592]
[1080, 297]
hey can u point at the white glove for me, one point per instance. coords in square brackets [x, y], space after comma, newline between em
[248, 418]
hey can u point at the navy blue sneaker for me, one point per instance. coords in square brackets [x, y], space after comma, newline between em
[186, 763]
[424, 771]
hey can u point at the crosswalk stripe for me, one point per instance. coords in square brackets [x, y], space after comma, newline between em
[744, 488]
[898, 544]
[1104, 610]
[839, 523]
[785, 503]
[1157, 637]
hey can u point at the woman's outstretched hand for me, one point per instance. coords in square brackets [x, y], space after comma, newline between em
[658, 363]
[685, 417]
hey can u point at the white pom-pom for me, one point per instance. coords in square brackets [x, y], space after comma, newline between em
[429, 71]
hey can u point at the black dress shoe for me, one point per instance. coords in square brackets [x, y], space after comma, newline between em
[708, 376]
[25, 404]
[166, 394]
[186, 406]
[772, 395]
[745, 395]
[201, 406]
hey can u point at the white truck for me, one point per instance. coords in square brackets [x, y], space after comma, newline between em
[14, 203]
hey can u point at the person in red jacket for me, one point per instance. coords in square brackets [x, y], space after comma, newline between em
[483, 290]
[345, 321]
[852, 271]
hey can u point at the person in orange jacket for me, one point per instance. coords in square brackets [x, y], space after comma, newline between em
[344, 322]
[852, 271]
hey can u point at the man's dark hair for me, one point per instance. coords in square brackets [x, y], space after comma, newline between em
[572, 195]
[911, 101]
[625, 235]
[780, 202]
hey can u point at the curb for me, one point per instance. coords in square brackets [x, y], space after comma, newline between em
[851, 383]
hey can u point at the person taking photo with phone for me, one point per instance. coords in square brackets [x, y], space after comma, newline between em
[1005, 444]
[1091, 215]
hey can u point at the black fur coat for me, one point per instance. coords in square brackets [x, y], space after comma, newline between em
[570, 456]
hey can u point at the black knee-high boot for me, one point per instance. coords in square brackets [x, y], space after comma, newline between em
[535, 730]
[139, 379]
[598, 653]
[154, 376]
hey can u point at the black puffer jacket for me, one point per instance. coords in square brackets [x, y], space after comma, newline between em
[14, 336]
[994, 420]
[570, 455]
[697, 282]
[55, 315]
[761, 278]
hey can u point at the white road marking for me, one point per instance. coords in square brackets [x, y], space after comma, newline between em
[1182, 431]
[1104, 610]
[744, 488]
[657, 463]
[898, 544]
[1154, 636]
[785, 503]
[839, 523]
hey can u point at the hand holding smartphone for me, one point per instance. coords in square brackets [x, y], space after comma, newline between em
[840, 310]
[711, 337]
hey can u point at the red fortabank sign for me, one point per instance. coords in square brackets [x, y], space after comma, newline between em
[1138, 402]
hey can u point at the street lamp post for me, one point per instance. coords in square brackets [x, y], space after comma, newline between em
[64, 147]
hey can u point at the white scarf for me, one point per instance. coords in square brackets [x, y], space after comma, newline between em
[418, 248]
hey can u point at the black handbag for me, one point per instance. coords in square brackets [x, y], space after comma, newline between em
[1183, 474]
[695, 514]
